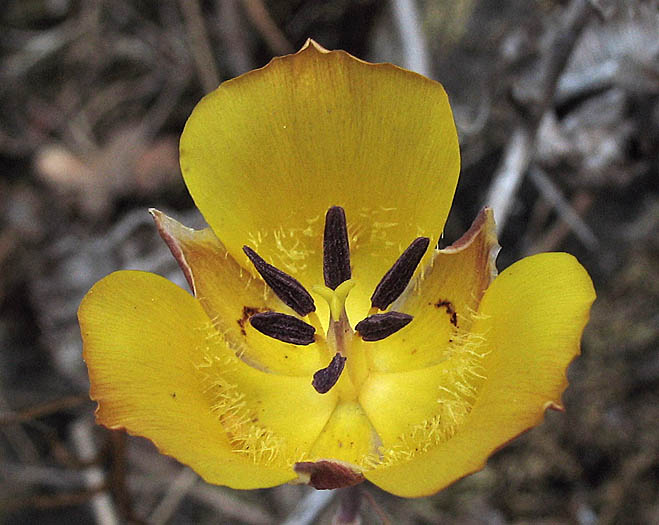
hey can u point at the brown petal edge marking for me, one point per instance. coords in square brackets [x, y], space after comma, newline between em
[484, 221]
[167, 230]
[552, 405]
[328, 474]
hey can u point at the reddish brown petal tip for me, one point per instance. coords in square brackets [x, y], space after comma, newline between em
[171, 232]
[326, 475]
[551, 405]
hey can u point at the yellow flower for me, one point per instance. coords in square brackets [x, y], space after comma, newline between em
[315, 174]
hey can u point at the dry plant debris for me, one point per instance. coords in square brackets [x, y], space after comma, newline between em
[93, 95]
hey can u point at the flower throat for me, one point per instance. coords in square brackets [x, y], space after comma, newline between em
[340, 339]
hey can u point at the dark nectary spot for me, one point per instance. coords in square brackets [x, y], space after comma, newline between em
[450, 310]
[248, 311]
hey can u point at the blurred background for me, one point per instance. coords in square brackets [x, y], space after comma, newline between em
[557, 106]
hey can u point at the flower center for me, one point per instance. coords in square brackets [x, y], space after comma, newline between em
[341, 341]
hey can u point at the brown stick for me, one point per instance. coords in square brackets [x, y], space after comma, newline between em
[519, 151]
[45, 409]
[202, 52]
[263, 22]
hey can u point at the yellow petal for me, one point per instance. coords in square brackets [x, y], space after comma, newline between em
[531, 319]
[273, 419]
[443, 299]
[159, 369]
[266, 154]
[348, 436]
[416, 409]
[230, 295]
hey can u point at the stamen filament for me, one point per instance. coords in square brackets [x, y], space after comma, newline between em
[314, 321]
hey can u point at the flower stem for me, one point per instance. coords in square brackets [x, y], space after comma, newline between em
[348, 511]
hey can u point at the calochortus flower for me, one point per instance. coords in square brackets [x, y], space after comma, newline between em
[327, 340]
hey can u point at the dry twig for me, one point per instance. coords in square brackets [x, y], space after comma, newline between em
[565, 210]
[309, 507]
[102, 504]
[201, 49]
[519, 150]
[178, 489]
[17, 437]
[235, 37]
[263, 22]
[552, 239]
[45, 409]
[415, 50]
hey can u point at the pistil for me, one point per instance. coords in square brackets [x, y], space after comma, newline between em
[336, 298]
[339, 336]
